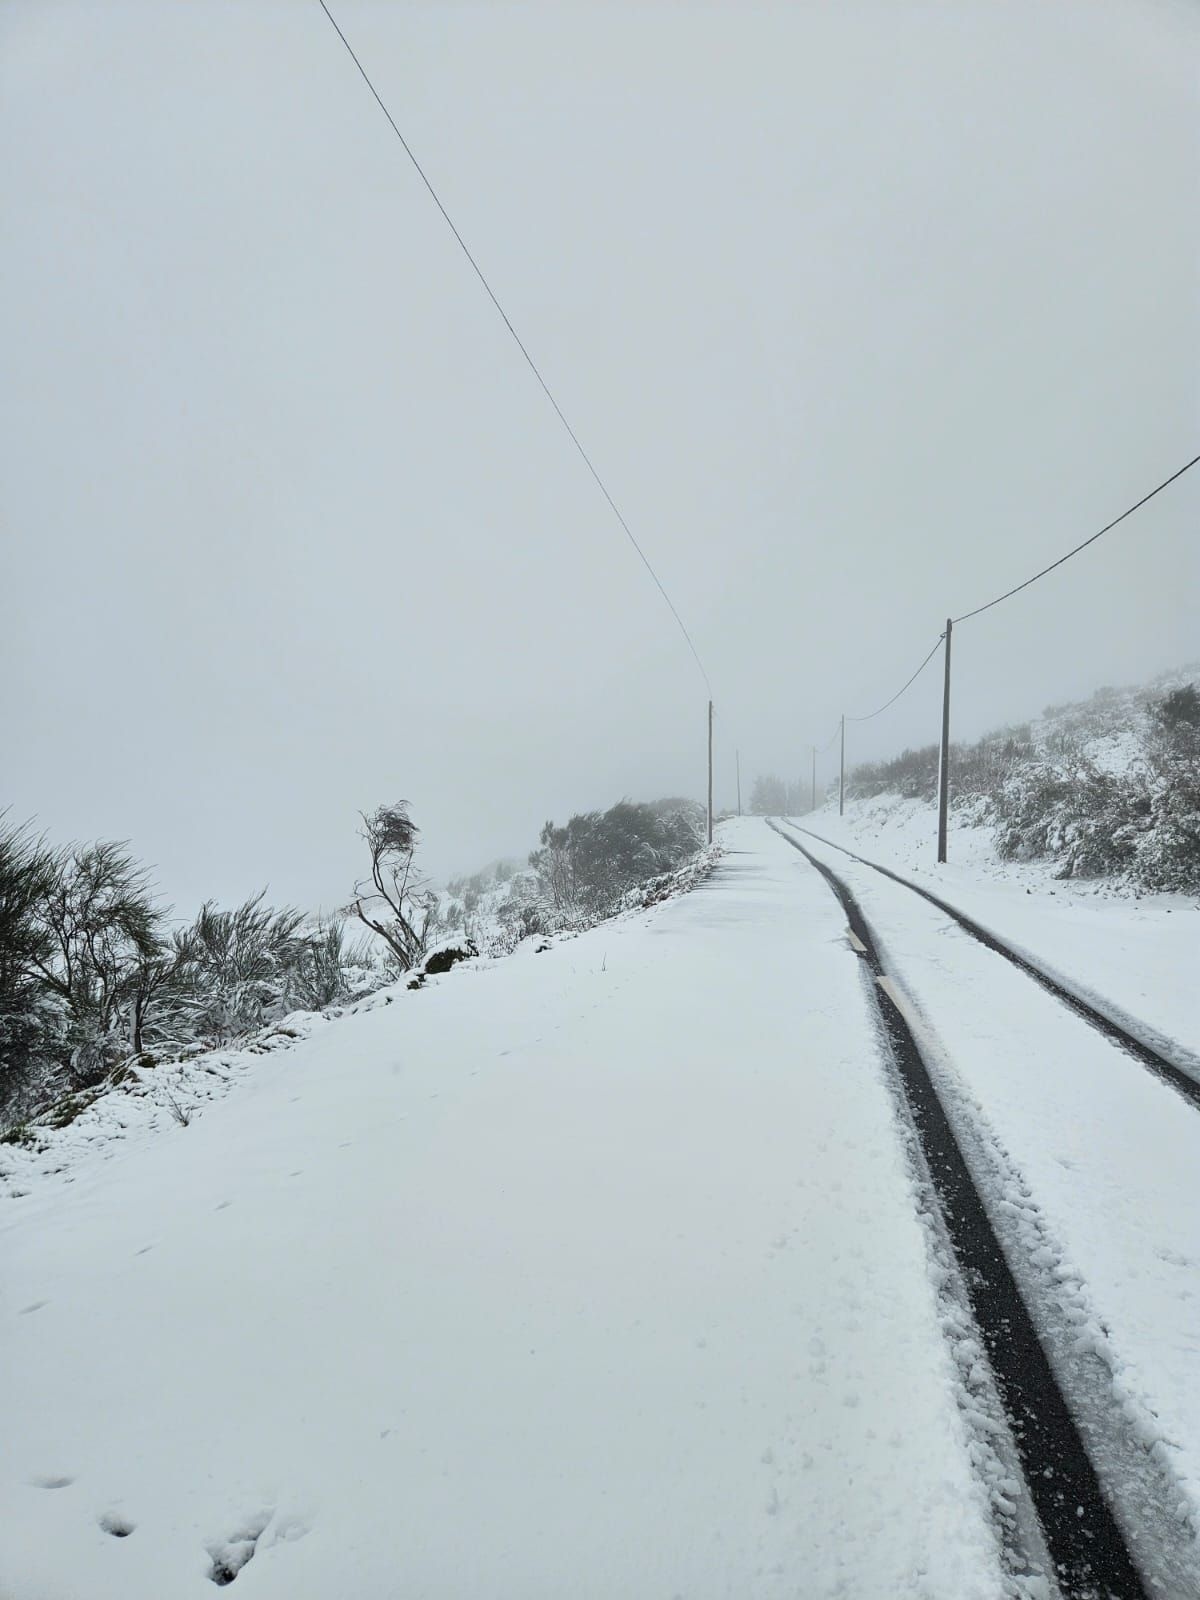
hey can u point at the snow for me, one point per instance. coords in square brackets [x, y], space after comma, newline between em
[596, 1271]
[1138, 954]
[1094, 1160]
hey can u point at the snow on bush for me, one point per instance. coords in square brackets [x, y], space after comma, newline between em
[1108, 788]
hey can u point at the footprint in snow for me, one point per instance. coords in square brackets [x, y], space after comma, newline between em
[61, 1481]
[230, 1555]
[35, 1306]
[120, 1527]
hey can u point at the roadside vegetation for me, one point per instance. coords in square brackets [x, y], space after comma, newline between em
[96, 977]
[1108, 788]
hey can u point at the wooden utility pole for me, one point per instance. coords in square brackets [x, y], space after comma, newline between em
[842, 773]
[813, 806]
[737, 756]
[944, 764]
[710, 772]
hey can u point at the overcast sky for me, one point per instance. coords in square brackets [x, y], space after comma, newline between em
[864, 312]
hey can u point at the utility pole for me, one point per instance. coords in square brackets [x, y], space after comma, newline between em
[710, 772]
[737, 756]
[944, 764]
[813, 806]
[842, 773]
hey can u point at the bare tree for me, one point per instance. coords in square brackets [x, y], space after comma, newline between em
[394, 901]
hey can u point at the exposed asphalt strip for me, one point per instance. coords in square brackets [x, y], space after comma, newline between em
[1178, 1077]
[1091, 1558]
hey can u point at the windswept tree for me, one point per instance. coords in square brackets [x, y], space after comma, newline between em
[395, 902]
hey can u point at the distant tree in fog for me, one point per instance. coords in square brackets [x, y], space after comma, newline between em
[769, 796]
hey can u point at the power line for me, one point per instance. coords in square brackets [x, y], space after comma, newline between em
[521, 346]
[903, 686]
[1010, 592]
[1017, 589]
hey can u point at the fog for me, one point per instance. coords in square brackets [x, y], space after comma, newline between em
[864, 312]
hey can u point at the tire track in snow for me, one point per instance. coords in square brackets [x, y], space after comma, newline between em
[1136, 1039]
[1089, 1550]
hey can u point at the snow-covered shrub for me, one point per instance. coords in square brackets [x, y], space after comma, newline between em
[32, 1025]
[1106, 788]
[239, 969]
[109, 953]
[913, 774]
[1086, 819]
[1168, 856]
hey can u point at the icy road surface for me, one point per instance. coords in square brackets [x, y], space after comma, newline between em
[589, 1273]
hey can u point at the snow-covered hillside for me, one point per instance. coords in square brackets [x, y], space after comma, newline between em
[1106, 790]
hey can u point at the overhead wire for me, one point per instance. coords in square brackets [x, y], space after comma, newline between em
[907, 684]
[1007, 595]
[533, 367]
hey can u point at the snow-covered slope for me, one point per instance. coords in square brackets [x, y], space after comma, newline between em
[1105, 791]
[592, 1272]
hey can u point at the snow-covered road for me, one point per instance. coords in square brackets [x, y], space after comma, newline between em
[1136, 952]
[593, 1272]
[1100, 1158]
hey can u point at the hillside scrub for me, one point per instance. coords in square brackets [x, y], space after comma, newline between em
[583, 868]
[592, 866]
[93, 977]
[1109, 787]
